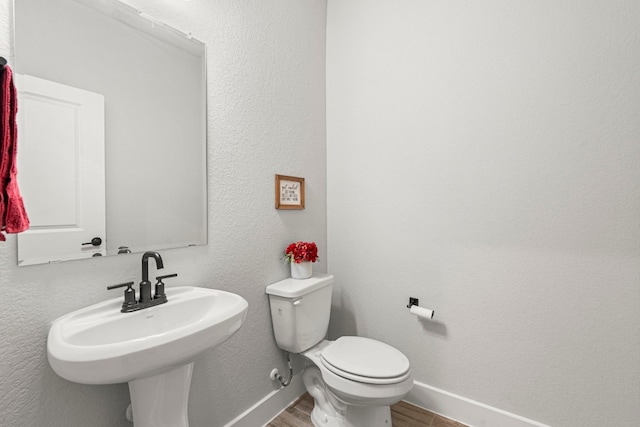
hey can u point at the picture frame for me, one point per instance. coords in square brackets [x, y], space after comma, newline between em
[289, 192]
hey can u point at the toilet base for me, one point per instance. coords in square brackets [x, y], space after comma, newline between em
[379, 416]
[320, 418]
[370, 416]
[354, 416]
[329, 411]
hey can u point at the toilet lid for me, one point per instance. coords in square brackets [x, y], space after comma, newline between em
[366, 360]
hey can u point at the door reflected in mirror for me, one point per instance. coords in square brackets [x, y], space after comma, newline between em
[151, 79]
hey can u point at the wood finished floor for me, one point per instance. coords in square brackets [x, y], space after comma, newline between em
[403, 414]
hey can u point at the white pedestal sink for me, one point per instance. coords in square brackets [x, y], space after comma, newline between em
[151, 349]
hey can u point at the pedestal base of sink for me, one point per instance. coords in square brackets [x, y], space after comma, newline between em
[162, 400]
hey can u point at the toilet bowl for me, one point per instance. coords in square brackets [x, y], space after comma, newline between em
[353, 380]
[355, 394]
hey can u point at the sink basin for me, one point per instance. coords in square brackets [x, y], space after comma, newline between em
[101, 345]
[151, 349]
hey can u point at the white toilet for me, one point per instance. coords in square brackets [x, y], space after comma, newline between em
[352, 380]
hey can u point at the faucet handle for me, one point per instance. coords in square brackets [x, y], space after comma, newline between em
[121, 285]
[159, 294]
[129, 294]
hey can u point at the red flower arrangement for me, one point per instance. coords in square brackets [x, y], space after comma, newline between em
[301, 251]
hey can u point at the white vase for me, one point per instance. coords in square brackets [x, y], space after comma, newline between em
[302, 270]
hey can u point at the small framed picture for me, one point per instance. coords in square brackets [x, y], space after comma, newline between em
[289, 192]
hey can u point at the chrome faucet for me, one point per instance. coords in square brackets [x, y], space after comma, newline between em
[145, 285]
[146, 300]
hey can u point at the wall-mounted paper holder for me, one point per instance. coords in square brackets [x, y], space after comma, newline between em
[423, 313]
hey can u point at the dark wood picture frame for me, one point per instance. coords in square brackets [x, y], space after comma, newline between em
[289, 192]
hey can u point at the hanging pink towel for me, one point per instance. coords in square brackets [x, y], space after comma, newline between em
[13, 216]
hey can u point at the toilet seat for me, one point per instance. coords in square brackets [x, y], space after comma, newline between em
[366, 361]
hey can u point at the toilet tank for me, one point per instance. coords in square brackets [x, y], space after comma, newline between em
[300, 311]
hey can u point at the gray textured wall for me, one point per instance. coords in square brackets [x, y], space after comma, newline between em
[484, 157]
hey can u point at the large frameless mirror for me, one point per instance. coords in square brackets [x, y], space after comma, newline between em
[112, 131]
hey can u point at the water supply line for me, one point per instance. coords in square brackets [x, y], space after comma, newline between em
[275, 374]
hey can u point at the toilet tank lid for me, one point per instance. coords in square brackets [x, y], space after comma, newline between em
[295, 288]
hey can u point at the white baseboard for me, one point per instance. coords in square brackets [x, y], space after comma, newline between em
[270, 406]
[464, 410]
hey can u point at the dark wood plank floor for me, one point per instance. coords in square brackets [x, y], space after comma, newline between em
[403, 414]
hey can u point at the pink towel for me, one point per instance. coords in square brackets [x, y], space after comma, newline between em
[13, 216]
